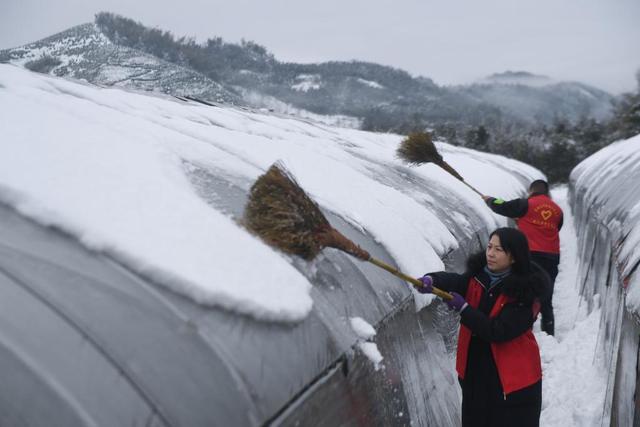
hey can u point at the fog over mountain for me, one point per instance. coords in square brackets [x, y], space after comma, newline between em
[116, 51]
[540, 120]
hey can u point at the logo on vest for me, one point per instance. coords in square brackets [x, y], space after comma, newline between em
[546, 214]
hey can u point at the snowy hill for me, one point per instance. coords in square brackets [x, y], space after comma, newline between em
[85, 53]
[127, 53]
[534, 98]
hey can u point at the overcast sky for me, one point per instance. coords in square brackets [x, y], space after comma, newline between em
[455, 41]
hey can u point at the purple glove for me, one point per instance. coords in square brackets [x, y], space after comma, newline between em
[427, 285]
[457, 303]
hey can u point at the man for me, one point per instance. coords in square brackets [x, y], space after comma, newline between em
[540, 219]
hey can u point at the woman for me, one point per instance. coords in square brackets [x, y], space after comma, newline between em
[498, 359]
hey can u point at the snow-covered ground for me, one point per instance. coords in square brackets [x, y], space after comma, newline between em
[574, 383]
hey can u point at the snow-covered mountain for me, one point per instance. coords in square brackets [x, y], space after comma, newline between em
[539, 98]
[85, 53]
[122, 52]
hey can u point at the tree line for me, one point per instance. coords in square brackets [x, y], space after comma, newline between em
[554, 149]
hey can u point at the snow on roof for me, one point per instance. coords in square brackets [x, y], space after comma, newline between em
[110, 167]
[605, 179]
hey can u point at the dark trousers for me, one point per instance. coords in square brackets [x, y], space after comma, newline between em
[518, 409]
[549, 263]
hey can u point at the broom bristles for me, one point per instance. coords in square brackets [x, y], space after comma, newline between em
[418, 148]
[282, 214]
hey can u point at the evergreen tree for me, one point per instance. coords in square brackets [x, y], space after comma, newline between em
[626, 121]
[478, 139]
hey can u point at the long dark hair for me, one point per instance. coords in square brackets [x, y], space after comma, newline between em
[515, 243]
[527, 281]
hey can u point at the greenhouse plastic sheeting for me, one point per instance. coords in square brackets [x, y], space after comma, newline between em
[88, 342]
[605, 199]
[92, 333]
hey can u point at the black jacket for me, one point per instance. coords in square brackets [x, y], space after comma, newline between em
[484, 402]
[516, 208]
[523, 288]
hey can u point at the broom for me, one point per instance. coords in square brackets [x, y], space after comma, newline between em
[283, 215]
[418, 148]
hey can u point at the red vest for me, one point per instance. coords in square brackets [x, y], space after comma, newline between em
[540, 224]
[518, 360]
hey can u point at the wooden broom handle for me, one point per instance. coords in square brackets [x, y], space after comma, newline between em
[329, 236]
[471, 187]
[415, 282]
[446, 166]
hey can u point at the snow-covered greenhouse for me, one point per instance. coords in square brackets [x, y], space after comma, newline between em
[132, 294]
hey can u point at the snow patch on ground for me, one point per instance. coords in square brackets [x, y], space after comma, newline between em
[307, 82]
[574, 382]
[370, 83]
